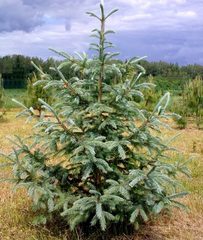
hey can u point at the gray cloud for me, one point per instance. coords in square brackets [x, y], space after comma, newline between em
[169, 30]
[16, 16]
[167, 45]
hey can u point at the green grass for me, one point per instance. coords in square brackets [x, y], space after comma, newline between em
[18, 94]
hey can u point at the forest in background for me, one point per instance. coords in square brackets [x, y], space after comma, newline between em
[16, 69]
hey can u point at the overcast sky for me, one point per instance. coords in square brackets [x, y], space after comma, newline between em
[168, 30]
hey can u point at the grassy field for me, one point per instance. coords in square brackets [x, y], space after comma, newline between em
[16, 215]
[18, 94]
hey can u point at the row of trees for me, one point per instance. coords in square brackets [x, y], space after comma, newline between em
[16, 69]
[170, 70]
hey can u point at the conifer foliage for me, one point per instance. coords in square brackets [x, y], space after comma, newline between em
[151, 95]
[193, 99]
[36, 92]
[2, 98]
[97, 161]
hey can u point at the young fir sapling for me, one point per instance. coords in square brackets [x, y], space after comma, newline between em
[36, 92]
[2, 98]
[97, 161]
[193, 99]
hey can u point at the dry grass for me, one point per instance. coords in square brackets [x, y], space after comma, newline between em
[16, 215]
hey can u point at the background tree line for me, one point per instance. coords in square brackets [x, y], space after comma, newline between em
[16, 69]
